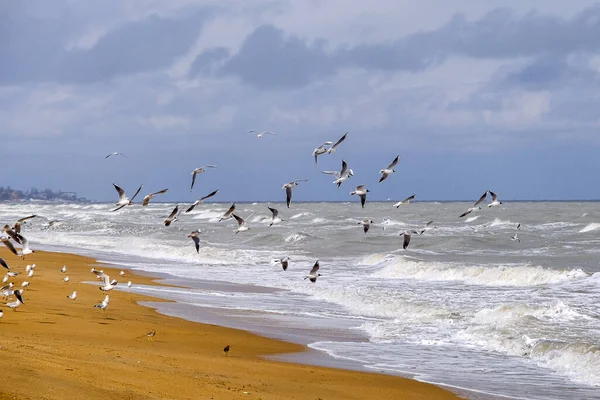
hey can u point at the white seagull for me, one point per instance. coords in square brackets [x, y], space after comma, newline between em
[361, 192]
[150, 196]
[389, 170]
[341, 176]
[195, 237]
[108, 284]
[428, 226]
[66, 279]
[313, 275]
[333, 148]
[275, 216]
[515, 237]
[72, 296]
[366, 223]
[199, 171]
[242, 226]
[475, 206]
[18, 302]
[63, 269]
[25, 250]
[116, 153]
[405, 201]
[104, 304]
[123, 199]
[495, 202]
[172, 217]
[284, 262]
[407, 235]
[288, 190]
[6, 290]
[200, 200]
[227, 213]
[260, 134]
[320, 150]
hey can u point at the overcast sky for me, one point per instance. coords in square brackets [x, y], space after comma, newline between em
[473, 95]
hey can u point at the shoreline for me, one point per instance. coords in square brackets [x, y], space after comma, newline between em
[62, 349]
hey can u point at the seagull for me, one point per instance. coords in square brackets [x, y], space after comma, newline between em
[284, 262]
[515, 237]
[407, 235]
[172, 217]
[116, 153]
[6, 290]
[242, 226]
[30, 273]
[18, 301]
[260, 134]
[10, 232]
[288, 190]
[150, 196]
[320, 150]
[495, 201]
[427, 227]
[24, 284]
[199, 171]
[366, 223]
[475, 206]
[123, 199]
[341, 176]
[108, 284]
[228, 213]
[333, 148]
[4, 264]
[51, 223]
[73, 295]
[389, 170]
[104, 304]
[405, 201]
[66, 279]
[129, 284]
[20, 222]
[200, 200]
[63, 269]
[10, 246]
[313, 275]
[12, 274]
[275, 217]
[226, 350]
[361, 192]
[151, 334]
[518, 226]
[195, 237]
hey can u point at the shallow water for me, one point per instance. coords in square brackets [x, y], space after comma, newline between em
[464, 306]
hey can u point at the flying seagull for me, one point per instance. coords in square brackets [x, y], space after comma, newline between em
[320, 150]
[475, 206]
[313, 275]
[288, 190]
[407, 235]
[242, 226]
[150, 196]
[427, 227]
[284, 262]
[341, 176]
[260, 134]
[389, 170]
[515, 237]
[405, 201]
[195, 237]
[333, 148]
[172, 217]
[227, 213]
[275, 216]
[116, 153]
[495, 201]
[199, 171]
[123, 199]
[108, 284]
[361, 192]
[20, 222]
[200, 200]
[366, 223]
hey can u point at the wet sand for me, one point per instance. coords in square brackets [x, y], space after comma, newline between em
[56, 348]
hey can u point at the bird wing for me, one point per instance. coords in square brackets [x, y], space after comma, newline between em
[239, 219]
[482, 198]
[196, 240]
[118, 208]
[193, 180]
[159, 192]
[409, 198]
[193, 206]
[344, 168]
[339, 141]
[10, 246]
[406, 241]
[106, 279]
[121, 192]
[315, 268]
[17, 294]
[209, 195]
[429, 223]
[174, 212]
[274, 211]
[12, 234]
[465, 213]
[251, 131]
[24, 242]
[334, 173]
[146, 200]
[383, 177]
[363, 199]
[209, 166]
[4, 264]
[270, 133]
[360, 187]
[393, 164]
[230, 210]
[21, 220]
[494, 196]
[137, 192]
[288, 195]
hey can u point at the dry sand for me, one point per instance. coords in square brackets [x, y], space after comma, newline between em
[56, 348]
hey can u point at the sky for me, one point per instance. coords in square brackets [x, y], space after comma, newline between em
[473, 95]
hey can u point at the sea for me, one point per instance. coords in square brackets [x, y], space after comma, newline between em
[464, 306]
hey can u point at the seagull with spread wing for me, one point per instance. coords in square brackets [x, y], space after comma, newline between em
[123, 199]
[200, 200]
[150, 196]
[288, 190]
[389, 170]
[199, 171]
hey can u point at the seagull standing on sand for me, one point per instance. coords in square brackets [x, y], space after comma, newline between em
[226, 350]
[320, 150]
[288, 190]
[195, 237]
[284, 262]
[475, 206]
[199, 171]
[66, 279]
[366, 223]
[242, 226]
[275, 217]
[313, 275]
[333, 148]
[200, 200]
[150, 196]
[123, 199]
[63, 269]
[227, 213]
[260, 134]
[405, 201]
[73, 295]
[150, 335]
[389, 170]
[361, 192]
[18, 302]
[116, 153]
[172, 217]
[104, 304]
[495, 201]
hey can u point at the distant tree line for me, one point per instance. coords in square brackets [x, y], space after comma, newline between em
[9, 194]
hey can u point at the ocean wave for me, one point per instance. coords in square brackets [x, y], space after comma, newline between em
[502, 275]
[590, 227]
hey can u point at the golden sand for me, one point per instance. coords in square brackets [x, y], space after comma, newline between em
[56, 348]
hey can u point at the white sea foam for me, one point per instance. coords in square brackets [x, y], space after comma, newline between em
[590, 227]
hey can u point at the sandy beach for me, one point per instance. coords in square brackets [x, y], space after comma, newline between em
[57, 348]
